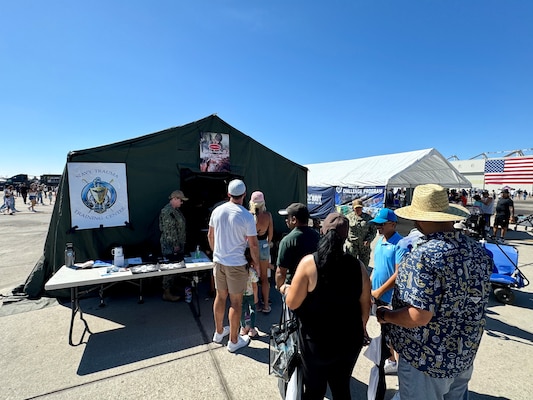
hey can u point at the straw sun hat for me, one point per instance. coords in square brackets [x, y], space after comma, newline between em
[430, 203]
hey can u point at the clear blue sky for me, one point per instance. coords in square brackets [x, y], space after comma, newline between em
[314, 81]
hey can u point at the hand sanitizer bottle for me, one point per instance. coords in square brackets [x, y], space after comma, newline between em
[197, 252]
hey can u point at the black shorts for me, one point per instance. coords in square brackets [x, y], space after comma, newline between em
[502, 221]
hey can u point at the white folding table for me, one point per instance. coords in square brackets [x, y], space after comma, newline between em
[74, 279]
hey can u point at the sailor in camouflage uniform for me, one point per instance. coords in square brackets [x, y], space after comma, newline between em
[361, 233]
[172, 227]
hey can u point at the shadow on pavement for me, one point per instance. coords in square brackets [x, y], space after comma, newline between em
[145, 331]
[506, 331]
[155, 328]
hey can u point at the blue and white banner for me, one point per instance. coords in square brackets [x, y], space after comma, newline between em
[373, 198]
[98, 195]
[324, 200]
[320, 201]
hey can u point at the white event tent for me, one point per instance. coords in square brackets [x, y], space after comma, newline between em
[352, 178]
[400, 170]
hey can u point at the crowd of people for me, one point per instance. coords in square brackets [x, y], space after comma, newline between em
[429, 290]
[32, 195]
[492, 215]
[415, 283]
[331, 278]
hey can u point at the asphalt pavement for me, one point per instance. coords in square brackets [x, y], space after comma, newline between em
[162, 350]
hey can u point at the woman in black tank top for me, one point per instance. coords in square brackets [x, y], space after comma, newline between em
[330, 289]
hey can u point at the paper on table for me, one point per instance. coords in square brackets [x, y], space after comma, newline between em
[112, 270]
[86, 264]
[100, 263]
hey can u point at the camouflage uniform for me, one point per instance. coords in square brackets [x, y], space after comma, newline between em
[360, 231]
[172, 227]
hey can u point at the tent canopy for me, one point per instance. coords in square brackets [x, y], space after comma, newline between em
[155, 165]
[400, 170]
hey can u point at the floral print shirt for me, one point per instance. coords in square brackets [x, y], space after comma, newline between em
[448, 274]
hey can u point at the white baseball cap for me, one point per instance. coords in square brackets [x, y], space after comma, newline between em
[236, 188]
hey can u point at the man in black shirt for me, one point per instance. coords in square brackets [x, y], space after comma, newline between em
[301, 240]
[504, 213]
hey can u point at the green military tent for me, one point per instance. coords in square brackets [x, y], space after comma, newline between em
[198, 158]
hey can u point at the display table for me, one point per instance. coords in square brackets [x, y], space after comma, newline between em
[100, 278]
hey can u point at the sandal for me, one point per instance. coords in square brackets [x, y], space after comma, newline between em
[266, 309]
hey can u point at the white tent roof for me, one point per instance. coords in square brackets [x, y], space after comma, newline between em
[406, 170]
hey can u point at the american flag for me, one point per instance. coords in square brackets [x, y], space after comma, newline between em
[509, 170]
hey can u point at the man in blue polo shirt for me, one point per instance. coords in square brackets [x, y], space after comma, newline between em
[387, 257]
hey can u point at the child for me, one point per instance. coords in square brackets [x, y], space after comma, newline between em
[249, 301]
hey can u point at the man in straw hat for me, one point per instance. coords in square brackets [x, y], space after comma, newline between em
[439, 301]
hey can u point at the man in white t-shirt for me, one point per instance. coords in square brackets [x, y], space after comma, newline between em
[231, 229]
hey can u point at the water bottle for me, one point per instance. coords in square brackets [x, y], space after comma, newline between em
[70, 255]
[197, 252]
[188, 294]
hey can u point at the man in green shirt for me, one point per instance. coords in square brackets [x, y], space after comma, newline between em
[300, 241]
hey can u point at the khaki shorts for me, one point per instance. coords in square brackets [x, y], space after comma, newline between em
[232, 279]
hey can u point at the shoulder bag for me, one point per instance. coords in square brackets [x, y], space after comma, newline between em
[284, 355]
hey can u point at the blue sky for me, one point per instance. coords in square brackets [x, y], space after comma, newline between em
[314, 81]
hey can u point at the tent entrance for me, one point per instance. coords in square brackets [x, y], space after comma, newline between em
[204, 190]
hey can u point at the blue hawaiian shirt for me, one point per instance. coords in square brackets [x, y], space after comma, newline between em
[448, 274]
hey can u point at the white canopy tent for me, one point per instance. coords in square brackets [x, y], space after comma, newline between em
[400, 170]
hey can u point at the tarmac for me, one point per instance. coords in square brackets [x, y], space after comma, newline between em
[162, 350]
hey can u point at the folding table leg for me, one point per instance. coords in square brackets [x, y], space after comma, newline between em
[75, 308]
[101, 295]
[141, 298]
[194, 287]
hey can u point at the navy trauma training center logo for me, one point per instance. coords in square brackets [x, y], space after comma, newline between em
[98, 195]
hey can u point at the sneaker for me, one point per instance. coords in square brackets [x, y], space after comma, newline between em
[391, 367]
[218, 337]
[501, 241]
[242, 341]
